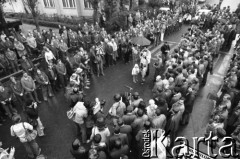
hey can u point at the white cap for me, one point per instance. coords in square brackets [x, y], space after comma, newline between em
[158, 78]
[151, 102]
[79, 70]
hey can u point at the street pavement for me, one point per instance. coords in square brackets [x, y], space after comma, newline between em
[60, 131]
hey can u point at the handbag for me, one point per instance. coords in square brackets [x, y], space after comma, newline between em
[30, 135]
[70, 114]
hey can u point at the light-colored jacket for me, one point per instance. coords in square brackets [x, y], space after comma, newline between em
[19, 131]
[80, 113]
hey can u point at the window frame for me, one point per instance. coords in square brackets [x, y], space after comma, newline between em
[67, 2]
[88, 4]
[47, 3]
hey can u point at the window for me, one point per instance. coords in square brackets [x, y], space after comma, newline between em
[49, 3]
[87, 4]
[69, 3]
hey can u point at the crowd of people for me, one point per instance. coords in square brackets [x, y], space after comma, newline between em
[70, 58]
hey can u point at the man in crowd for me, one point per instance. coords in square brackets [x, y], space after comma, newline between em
[44, 82]
[165, 51]
[29, 87]
[6, 101]
[18, 91]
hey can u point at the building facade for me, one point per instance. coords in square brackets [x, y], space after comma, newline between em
[50, 7]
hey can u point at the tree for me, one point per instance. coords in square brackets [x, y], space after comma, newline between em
[154, 3]
[111, 7]
[2, 19]
[95, 5]
[33, 7]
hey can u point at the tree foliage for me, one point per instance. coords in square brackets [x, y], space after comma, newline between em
[141, 2]
[154, 3]
[111, 7]
[2, 19]
[95, 5]
[33, 7]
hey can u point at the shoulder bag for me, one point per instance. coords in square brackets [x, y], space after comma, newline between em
[70, 114]
[30, 135]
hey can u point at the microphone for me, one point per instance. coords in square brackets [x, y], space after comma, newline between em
[129, 87]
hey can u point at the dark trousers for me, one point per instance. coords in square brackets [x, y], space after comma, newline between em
[126, 57]
[46, 91]
[14, 65]
[82, 132]
[109, 59]
[9, 109]
[31, 94]
[62, 80]
[148, 70]
[21, 100]
[164, 57]
[54, 85]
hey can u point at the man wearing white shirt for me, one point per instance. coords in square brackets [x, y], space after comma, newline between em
[148, 58]
[80, 113]
[115, 47]
[19, 130]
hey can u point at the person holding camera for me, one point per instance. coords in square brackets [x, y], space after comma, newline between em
[33, 118]
[118, 108]
[25, 132]
[6, 154]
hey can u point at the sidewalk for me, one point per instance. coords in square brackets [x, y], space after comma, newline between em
[26, 27]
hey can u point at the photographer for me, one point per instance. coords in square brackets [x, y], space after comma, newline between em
[19, 130]
[6, 154]
[33, 118]
[75, 96]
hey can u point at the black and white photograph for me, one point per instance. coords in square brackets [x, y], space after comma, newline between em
[119, 79]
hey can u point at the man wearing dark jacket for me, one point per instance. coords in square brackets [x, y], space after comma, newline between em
[109, 52]
[117, 135]
[165, 50]
[62, 73]
[125, 129]
[119, 150]
[6, 101]
[188, 103]
[18, 91]
[51, 72]
[27, 65]
[78, 150]
[43, 80]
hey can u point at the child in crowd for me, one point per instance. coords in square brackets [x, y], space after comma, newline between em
[135, 72]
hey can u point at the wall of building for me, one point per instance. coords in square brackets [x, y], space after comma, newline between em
[47, 10]
[14, 6]
[66, 11]
[80, 10]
